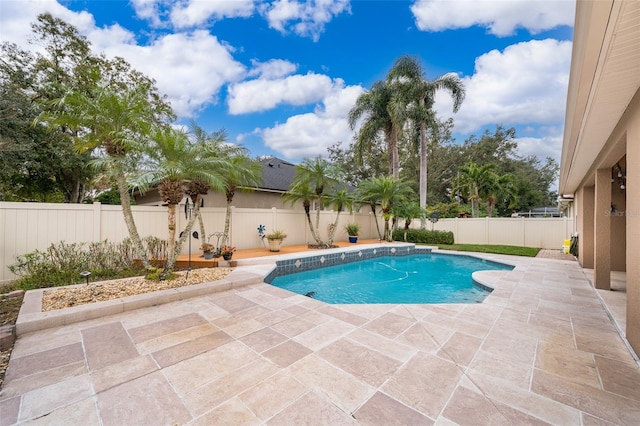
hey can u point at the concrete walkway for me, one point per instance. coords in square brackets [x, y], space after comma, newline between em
[541, 349]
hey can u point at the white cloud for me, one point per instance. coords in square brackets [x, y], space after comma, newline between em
[189, 67]
[547, 146]
[17, 16]
[148, 10]
[306, 18]
[264, 94]
[309, 135]
[197, 12]
[274, 68]
[500, 17]
[525, 84]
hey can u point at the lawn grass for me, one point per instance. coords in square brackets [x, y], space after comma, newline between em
[495, 249]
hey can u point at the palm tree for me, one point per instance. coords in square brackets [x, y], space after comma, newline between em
[241, 173]
[499, 186]
[408, 211]
[420, 93]
[387, 192]
[176, 162]
[317, 177]
[215, 143]
[304, 194]
[117, 120]
[470, 183]
[384, 113]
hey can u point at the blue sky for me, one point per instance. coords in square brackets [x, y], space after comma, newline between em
[280, 76]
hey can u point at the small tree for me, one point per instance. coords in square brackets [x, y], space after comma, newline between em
[312, 181]
[470, 183]
[386, 191]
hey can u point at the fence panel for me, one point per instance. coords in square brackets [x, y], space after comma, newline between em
[507, 231]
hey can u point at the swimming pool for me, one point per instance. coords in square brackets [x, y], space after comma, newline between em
[414, 278]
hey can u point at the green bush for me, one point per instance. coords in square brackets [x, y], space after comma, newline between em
[423, 236]
[62, 262]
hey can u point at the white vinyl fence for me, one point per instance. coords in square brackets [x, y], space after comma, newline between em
[25, 227]
[547, 233]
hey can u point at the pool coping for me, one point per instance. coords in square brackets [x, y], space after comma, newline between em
[249, 271]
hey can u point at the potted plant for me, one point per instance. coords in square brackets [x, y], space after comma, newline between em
[352, 229]
[227, 251]
[208, 250]
[275, 239]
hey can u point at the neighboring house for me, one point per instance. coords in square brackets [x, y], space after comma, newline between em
[277, 175]
[600, 166]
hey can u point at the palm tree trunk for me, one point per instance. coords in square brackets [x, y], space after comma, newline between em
[475, 206]
[387, 230]
[394, 154]
[316, 231]
[125, 202]
[375, 219]
[227, 221]
[171, 260]
[423, 172]
[490, 204]
[333, 230]
[203, 236]
[171, 241]
[311, 227]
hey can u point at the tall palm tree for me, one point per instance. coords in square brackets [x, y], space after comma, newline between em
[387, 192]
[470, 183]
[241, 173]
[117, 120]
[384, 112]
[176, 162]
[316, 176]
[408, 74]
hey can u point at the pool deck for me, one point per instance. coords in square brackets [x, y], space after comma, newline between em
[541, 349]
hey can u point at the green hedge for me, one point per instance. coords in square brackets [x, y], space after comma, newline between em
[423, 236]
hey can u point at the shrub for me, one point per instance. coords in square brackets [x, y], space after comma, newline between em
[423, 236]
[62, 262]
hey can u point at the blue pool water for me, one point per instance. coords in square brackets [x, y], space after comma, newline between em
[418, 278]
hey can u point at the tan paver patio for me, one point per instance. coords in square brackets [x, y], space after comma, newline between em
[540, 349]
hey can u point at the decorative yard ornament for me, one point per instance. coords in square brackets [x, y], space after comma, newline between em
[433, 218]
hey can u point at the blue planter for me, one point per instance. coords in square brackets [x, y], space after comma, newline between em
[353, 240]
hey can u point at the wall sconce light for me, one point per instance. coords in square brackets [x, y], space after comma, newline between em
[621, 176]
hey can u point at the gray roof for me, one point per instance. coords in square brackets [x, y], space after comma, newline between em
[277, 174]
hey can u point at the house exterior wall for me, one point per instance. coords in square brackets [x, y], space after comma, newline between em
[241, 199]
[602, 136]
[632, 218]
